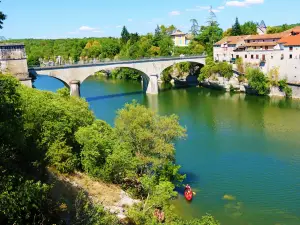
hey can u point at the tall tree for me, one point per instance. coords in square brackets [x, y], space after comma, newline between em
[125, 36]
[157, 36]
[2, 18]
[195, 27]
[249, 28]
[236, 28]
[212, 18]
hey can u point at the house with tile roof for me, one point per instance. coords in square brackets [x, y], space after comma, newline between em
[181, 39]
[265, 51]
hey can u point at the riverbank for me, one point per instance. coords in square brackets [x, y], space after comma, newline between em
[110, 196]
[234, 85]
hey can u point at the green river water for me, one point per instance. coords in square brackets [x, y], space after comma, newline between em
[244, 146]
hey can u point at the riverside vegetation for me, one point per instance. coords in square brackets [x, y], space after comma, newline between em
[259, 82]
[40, 129]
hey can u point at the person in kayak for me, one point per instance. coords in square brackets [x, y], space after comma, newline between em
[188, 194]
[187, 187]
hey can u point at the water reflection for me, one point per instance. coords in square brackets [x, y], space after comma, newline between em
[246, 146]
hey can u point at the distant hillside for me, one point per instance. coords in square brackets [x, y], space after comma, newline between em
[281, 28]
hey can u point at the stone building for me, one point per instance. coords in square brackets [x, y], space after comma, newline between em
[181, 39]
[13, 60]
[267, 51]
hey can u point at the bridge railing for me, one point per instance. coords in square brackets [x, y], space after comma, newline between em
[115, 61]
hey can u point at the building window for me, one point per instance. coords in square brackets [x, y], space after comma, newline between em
[180, 41]
[271, 57]
[266, 47]
[254, 47]
[245, 56]
[257, 56]
[252, 56]
[237, 56]
[291, 48]
[282, 56]
[291, 56]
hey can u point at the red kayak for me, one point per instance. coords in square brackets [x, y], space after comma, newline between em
[188, 194]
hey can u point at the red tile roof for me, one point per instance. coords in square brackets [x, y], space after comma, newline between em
[265, 36]
[231, 40]
[290, 40]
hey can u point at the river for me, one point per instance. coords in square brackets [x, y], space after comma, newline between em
[246, 147]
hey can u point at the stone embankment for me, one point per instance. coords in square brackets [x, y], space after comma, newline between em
[234, 85]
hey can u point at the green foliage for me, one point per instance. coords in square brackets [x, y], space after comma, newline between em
[125, 36]
[249, 28]
[64, 92]
[149, 136]
[224, 69]
[61, 157]
[195, 27]
[89, 214]
[23, 201]
[208, 36]
[126, 73]
[119, 165]
[282, 84]
[48, 117]
[2, 18]
[240, 65]
[236, 28]
[281, 28]
[96, 141]
[258, 81]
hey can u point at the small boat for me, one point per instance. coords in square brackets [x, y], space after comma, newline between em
[188, 194]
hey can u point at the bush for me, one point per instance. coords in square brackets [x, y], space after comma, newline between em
[283, 86]
[61, 156]
[224, 69]
[258, 81]
[240, 65]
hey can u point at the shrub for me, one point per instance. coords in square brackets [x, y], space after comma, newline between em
[283, 86]
[258, 81]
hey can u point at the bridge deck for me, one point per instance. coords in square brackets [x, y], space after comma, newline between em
[116, 62]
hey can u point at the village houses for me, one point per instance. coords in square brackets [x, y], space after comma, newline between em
[267, 51]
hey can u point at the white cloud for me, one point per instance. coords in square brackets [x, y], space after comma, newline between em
[215, 10]
[86, 28]
[221, 7]
[118, 26]
[130, 20]
[174, 13]
[244, 3]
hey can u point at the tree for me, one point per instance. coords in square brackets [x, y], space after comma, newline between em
[125, 36]
[2, 18]
[236, 28]
[157, 36]
[195, 27]
[212, 18]
[258, 81]
[149, 136]
[249, 28]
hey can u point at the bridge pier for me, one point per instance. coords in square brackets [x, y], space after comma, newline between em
[152, 85]
[75, 88]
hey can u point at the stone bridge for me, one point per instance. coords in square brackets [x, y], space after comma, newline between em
[74, 75]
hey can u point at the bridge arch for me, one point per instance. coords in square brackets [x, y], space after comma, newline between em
[74, 75]
[144, 78]
[194, 68]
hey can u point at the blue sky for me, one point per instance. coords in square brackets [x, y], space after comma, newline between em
[97, 18]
